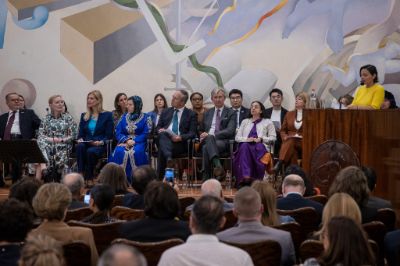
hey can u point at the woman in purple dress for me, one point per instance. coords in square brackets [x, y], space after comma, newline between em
[252, 157]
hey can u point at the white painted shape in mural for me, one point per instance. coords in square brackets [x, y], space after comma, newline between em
[197, 8]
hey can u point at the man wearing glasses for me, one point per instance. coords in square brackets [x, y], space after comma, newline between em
[236, 97]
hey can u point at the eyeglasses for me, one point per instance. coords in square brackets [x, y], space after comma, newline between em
[236, 98]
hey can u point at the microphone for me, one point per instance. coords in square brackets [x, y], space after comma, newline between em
[48, 110]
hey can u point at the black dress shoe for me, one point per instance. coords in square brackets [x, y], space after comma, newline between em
[219, 173]
[278, 166]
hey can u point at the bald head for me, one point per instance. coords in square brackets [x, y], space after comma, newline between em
[293, 183]
[122, 255]
[212, 187]
[75, 183]
[247, 204]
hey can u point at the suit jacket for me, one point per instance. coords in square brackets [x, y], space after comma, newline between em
[255, 231]
[268, 113]
[378, 203]
[153, 230]
[187, 124]
[227, 127]
[288, 128]
[244, 113]
[76, 204]
[295, 201]
[29, 122]
[60, 231]
[133, 201]
[103, 130]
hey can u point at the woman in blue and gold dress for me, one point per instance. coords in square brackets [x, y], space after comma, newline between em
[131, 134]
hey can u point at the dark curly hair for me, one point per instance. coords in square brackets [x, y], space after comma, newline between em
[16, 220]
[161, 201]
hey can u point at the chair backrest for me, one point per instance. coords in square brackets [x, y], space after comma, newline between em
[376, 231]
[307, 217]
[77, 253]
[294, 229]
[310, 249]
[388, 217]
[127, 214]
[184, 203]
[151, 250]
[78, 214]
[263, 253]
[319, 198]
[118, 200]
[103, 234]
[231, 220]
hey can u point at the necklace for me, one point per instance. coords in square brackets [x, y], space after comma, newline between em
[298, 121]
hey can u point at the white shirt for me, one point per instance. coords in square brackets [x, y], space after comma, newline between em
[202, 249]
[15, 129]
[276, 115]
[299, 117]
[212, 128]
[179, 119]
[265, 130]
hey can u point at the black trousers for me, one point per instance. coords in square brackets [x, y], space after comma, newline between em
[167, 149]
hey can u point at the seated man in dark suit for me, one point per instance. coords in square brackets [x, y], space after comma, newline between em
[276, 114]
[75, 184]
[236, 97]
[17, 124]
[218, 128]
[293, 190]
[374, 202]
[177, 124]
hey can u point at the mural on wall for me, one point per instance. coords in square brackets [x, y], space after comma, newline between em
[253, 45]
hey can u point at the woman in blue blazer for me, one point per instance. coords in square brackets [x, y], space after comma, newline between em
[95, 129]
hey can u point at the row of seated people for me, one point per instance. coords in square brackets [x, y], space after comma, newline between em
[161, 206]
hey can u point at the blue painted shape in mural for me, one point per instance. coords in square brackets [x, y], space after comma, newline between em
[3, 20]
[39, 18]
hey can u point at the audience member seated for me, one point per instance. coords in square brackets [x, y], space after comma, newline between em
[345, 244]
[345, 101]
[177, 125]
[249, 210]
[389, 101]
[277, 115]
[292, 133]
[56, 134]
[50, 204]
[213, 187]
[131, 134]
[122, 255]
[114, 175]
[161, 207]
[295, 169]
[120, 107]
[25, 189]
[203, 247]
[16, 220]
[351, 180]
[101, 199]
[241, 112]
[293, 195]
[42, 250]
[370, 95]
[160, 103]
[95, 129]
[142, 176]
[268, 199]
[196, 99]
[252, 158]
[392, 248]
[219, 126]
[75, 184]
[374, 202]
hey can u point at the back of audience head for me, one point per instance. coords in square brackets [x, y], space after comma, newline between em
[161, 201]
[122, 255]
[345, 244]
[16, 220]
[351, 180]
[75, 184]
[212, 187]
[114, 175]
[247, 204]
[51, 201]
[25, 189]
[142, 176]
[294, 169]
[370, 174]
[42, 250]
[101, 197]
[293, 183]
[207, 216]
[268, 200]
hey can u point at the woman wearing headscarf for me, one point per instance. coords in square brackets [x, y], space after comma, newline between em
[131, 133]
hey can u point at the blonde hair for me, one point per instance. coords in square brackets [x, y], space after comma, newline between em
[51, 99]
[42, 250]
[97, 94]
[51, 201]
[268, 199]
[340, 204]
[304, 96]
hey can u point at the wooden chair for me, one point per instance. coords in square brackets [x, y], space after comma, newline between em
[78, 214]
[103, 234]
[151, 250]
[77, 253]
[376, 231]
[263, 253]
[127, 214]
[310, 249]
[319, 198]
[307, 217]
[388, 217]
[231, 220]
[185, 202]
[294, 229]
[118, 200]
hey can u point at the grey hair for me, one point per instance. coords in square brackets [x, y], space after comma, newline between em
[74, 187]
[216, 90]
[109, 256]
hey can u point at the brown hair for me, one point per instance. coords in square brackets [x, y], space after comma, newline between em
[268, 199]
[97, 94]
[247, 202]
[114, 175]
[51, 201]
[42, 250]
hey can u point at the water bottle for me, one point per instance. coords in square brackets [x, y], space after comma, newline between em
[184, 179]
[313, 99]
[228, 179]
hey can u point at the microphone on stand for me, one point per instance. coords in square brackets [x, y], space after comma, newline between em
[48, 110]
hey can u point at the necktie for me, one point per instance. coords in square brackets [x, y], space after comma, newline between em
[217, 120]
[237, 118]
[7, 131]
[175, 122]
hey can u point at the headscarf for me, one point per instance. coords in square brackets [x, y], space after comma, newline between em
[137, 101]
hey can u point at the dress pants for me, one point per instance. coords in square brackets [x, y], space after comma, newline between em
[87, 156]
[212, 148]
[289, 150]
[167, 149]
